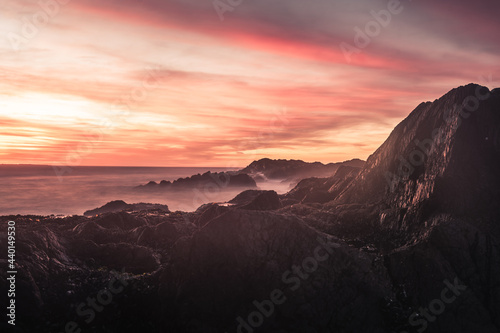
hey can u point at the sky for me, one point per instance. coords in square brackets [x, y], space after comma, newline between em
[226, 82]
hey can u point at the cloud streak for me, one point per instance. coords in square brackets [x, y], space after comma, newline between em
[221, 83]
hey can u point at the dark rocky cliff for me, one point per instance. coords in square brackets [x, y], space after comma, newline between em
[453, 138]
[442, 159]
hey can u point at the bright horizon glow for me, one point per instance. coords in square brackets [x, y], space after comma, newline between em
[166, 83]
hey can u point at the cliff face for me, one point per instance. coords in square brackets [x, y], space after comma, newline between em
[443, 158]
[379, 249]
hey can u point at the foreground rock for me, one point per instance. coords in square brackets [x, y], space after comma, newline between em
[119, 205]
[257, 200]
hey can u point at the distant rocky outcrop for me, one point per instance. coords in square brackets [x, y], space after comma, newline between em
[119, 205]
[291, 171]
[209, 179]
[294, 170]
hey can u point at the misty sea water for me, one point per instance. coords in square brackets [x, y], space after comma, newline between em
[33, 189]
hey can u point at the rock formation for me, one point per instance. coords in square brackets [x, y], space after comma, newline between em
[119, 205]
[220, 180]
[294, 170]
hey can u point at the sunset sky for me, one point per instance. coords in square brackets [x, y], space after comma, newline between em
[168, 83]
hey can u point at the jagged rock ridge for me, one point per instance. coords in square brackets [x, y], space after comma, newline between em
[293, 170]
[220, 179]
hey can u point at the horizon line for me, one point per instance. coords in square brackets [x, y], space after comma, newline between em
[184, 166]
[110, 166]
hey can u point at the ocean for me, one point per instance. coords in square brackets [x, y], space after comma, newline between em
[33, 189]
